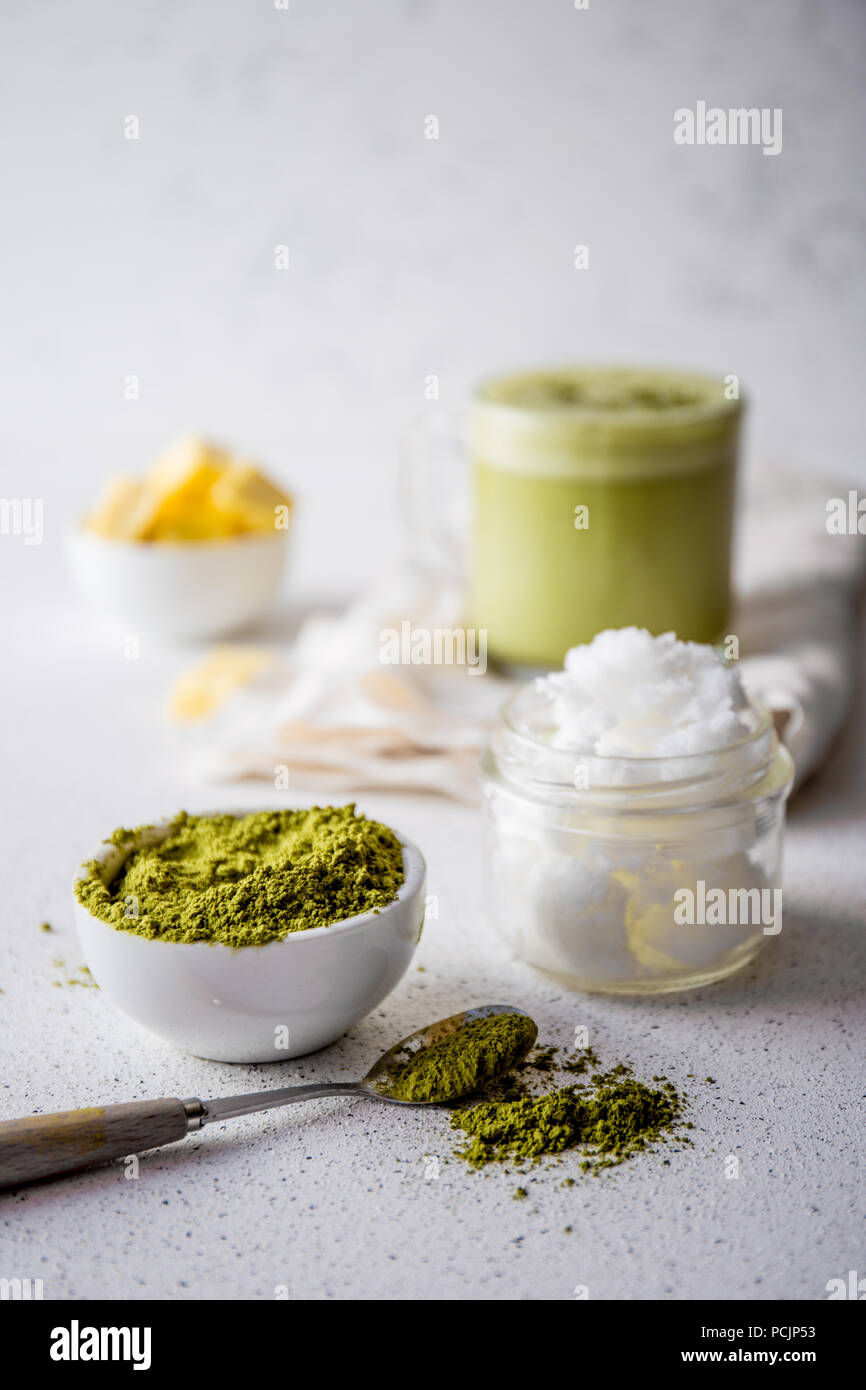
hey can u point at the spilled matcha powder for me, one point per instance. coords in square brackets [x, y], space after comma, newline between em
[607, 1120]
[462, 1061]
[248, 880]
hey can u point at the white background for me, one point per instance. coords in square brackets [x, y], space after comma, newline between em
[262, 127]
[408, 257]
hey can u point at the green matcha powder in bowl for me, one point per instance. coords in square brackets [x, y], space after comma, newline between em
[251, 936]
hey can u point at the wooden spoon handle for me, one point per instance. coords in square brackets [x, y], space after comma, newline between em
[42, 1145]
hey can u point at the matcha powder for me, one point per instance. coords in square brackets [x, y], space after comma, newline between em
[249, 880]
[609, 1120]
[464, 1060]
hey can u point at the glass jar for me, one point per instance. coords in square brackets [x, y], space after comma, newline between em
[602, 498]
[632, 875]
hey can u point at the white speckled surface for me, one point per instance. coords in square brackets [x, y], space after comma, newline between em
[409, 257]
[331, 1199]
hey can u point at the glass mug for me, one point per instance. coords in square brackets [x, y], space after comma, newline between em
[600, 497]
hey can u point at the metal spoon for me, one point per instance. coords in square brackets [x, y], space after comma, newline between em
[43, 1146]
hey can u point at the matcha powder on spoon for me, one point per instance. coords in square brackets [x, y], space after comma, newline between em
[249, 880]
[463, 1061]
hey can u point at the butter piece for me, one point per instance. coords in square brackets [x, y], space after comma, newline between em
[182, 478]
[207, 686]
[193, 521]
[187, 469]
[125, 511]
[246, 496]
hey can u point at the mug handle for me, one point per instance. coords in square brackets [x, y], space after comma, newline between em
[435, 496]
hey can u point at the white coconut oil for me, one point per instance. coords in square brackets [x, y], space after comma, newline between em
[635, 812]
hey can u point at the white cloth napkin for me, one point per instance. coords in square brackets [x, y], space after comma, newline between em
[326, 712]
[798, 587]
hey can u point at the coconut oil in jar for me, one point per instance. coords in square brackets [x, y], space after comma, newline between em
[634, 808]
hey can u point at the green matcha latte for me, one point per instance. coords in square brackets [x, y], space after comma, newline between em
[603, 499]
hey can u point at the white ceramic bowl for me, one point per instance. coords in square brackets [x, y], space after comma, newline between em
[257, 1003]
[179, 590]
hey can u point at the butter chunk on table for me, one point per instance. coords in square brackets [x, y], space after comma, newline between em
[201, 691]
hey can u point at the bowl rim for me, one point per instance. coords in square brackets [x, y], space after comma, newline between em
[414, 869]
[78, 533]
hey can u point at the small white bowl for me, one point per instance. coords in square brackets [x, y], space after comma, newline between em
[179, 590]
[256, 1003]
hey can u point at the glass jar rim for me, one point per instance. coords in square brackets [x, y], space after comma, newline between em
[535, 766]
